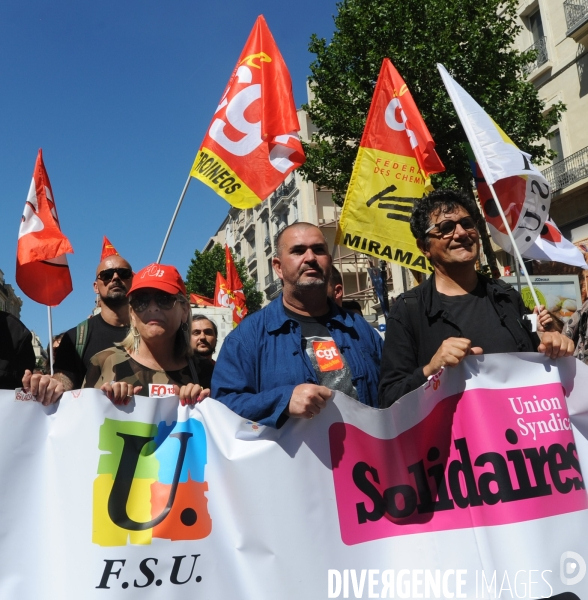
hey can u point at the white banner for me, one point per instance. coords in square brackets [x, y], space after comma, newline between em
[469, 487]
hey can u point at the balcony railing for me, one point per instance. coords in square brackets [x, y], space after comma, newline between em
[568, 171]
[576, 12]
[540, 46]
[249, 222]
[273, 289]
[283, 191]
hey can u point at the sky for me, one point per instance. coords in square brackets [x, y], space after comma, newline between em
[119, 96]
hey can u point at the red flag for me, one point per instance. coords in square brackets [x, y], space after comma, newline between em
[107, 249]
[221, 292]
[403, 129]
[252, 143]
[42, 272]
[235, 289]
[199, 300]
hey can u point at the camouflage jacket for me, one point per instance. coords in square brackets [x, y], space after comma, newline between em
[114, 364]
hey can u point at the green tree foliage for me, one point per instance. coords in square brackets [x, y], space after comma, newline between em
[473, 39]
[201, 276]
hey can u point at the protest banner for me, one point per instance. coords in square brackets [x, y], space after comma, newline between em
[395, 159]
[469, 487]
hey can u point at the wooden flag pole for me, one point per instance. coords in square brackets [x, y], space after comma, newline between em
[50, 339]
[514, 245]
[173, 219]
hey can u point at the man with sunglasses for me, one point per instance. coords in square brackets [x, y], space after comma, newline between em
[455, 312]
[114, 278]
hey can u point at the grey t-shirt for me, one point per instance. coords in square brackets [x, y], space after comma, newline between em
[329, 364]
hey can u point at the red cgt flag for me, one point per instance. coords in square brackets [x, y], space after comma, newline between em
[221, 292]
[236, 289]
[107, 249]
[42, 272]
[252, 143]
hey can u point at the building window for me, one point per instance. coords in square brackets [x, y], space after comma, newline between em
[536, 26]
[555, 145]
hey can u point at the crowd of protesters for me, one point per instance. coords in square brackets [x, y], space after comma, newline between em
[285, 360]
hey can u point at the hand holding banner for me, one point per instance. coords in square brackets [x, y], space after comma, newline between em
[467, 487]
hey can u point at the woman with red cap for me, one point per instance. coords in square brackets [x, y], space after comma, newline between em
[157, 350]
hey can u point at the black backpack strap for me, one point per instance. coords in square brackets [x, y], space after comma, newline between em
[82, 337]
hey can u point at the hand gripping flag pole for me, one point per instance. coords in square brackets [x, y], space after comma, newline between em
[525, 191]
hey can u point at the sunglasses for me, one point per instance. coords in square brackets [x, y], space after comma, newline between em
[140, 302]
[447, 228]
[108, 274]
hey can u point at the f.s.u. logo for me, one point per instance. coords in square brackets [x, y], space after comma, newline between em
[150, 483]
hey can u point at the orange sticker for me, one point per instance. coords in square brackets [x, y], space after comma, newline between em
[327, 356]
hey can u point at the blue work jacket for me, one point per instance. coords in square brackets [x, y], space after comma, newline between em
[262, 361]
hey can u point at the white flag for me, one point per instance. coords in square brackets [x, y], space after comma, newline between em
[524, 194]
[552, 245]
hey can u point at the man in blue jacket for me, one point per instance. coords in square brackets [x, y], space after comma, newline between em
[284, 360]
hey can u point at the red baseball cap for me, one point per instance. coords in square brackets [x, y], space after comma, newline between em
[159, 277]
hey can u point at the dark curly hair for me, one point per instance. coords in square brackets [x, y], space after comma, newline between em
[438, 200]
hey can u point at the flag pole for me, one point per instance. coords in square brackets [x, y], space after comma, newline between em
[173, 219]
[514, 245]
[50, 339]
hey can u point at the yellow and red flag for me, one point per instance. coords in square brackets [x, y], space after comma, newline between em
[107, 249]
[252, 143]
[236, 289]
[395, 160]
[42, 272]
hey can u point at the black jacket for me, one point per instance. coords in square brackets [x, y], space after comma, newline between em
[418, 324]
[16, 351]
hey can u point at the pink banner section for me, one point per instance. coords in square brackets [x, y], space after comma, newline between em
[483, 457]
